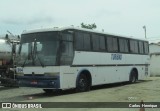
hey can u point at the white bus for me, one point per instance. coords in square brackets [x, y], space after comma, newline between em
[65, 58]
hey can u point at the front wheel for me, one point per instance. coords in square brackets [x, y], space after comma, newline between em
[82, 84]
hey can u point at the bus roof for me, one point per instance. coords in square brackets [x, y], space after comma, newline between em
[77, 28]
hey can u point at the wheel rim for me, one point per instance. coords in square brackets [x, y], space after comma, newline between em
[82, 83]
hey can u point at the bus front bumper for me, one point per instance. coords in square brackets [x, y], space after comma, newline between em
[39, 81]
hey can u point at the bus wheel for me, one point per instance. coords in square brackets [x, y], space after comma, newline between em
[133, 77]
[82, 84]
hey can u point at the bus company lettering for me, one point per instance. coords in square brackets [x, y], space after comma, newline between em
[116, 56]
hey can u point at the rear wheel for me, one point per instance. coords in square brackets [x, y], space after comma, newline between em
[133, 77]
[82, 84]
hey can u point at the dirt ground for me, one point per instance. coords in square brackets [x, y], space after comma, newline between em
[147, 90]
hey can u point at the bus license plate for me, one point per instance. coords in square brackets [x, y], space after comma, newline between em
[34, 82]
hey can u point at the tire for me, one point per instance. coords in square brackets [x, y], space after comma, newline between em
[82, 84]
[133, 77]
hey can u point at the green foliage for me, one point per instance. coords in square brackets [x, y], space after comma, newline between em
[88, 26]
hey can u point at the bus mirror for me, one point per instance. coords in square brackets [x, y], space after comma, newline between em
[19, 49]
[14, 48]
[6, 37]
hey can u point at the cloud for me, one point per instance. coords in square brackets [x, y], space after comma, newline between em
[11, 21]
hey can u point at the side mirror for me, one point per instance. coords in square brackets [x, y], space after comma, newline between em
[6, 36]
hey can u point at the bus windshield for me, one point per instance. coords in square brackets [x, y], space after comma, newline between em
[38, 49]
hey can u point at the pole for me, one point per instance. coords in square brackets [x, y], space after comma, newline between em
[144, 27]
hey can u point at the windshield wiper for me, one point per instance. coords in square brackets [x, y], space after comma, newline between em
[29, 56]
[33, 60]
[40, 60]
[26, 59]
[36, 54]
[32, 55]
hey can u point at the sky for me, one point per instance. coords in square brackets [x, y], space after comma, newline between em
[122, 17]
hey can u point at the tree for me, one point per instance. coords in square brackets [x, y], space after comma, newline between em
[88, 26]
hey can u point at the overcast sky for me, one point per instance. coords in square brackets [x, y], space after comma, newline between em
[124, 17]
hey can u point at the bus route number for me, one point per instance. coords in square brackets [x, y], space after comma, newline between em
[116, 56]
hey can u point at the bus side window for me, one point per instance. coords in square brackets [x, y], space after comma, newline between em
[141, 48]
[146, 48]
[123, 45]
[134, 46]
[66, 49]
[87, 41]
[95, 41]
[79, 41]
[112, 44]
[98, 42]
[102, 43]
[82, 41]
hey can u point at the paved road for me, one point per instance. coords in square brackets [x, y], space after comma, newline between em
[147, 90]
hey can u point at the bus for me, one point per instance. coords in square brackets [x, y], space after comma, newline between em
[70, 57]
